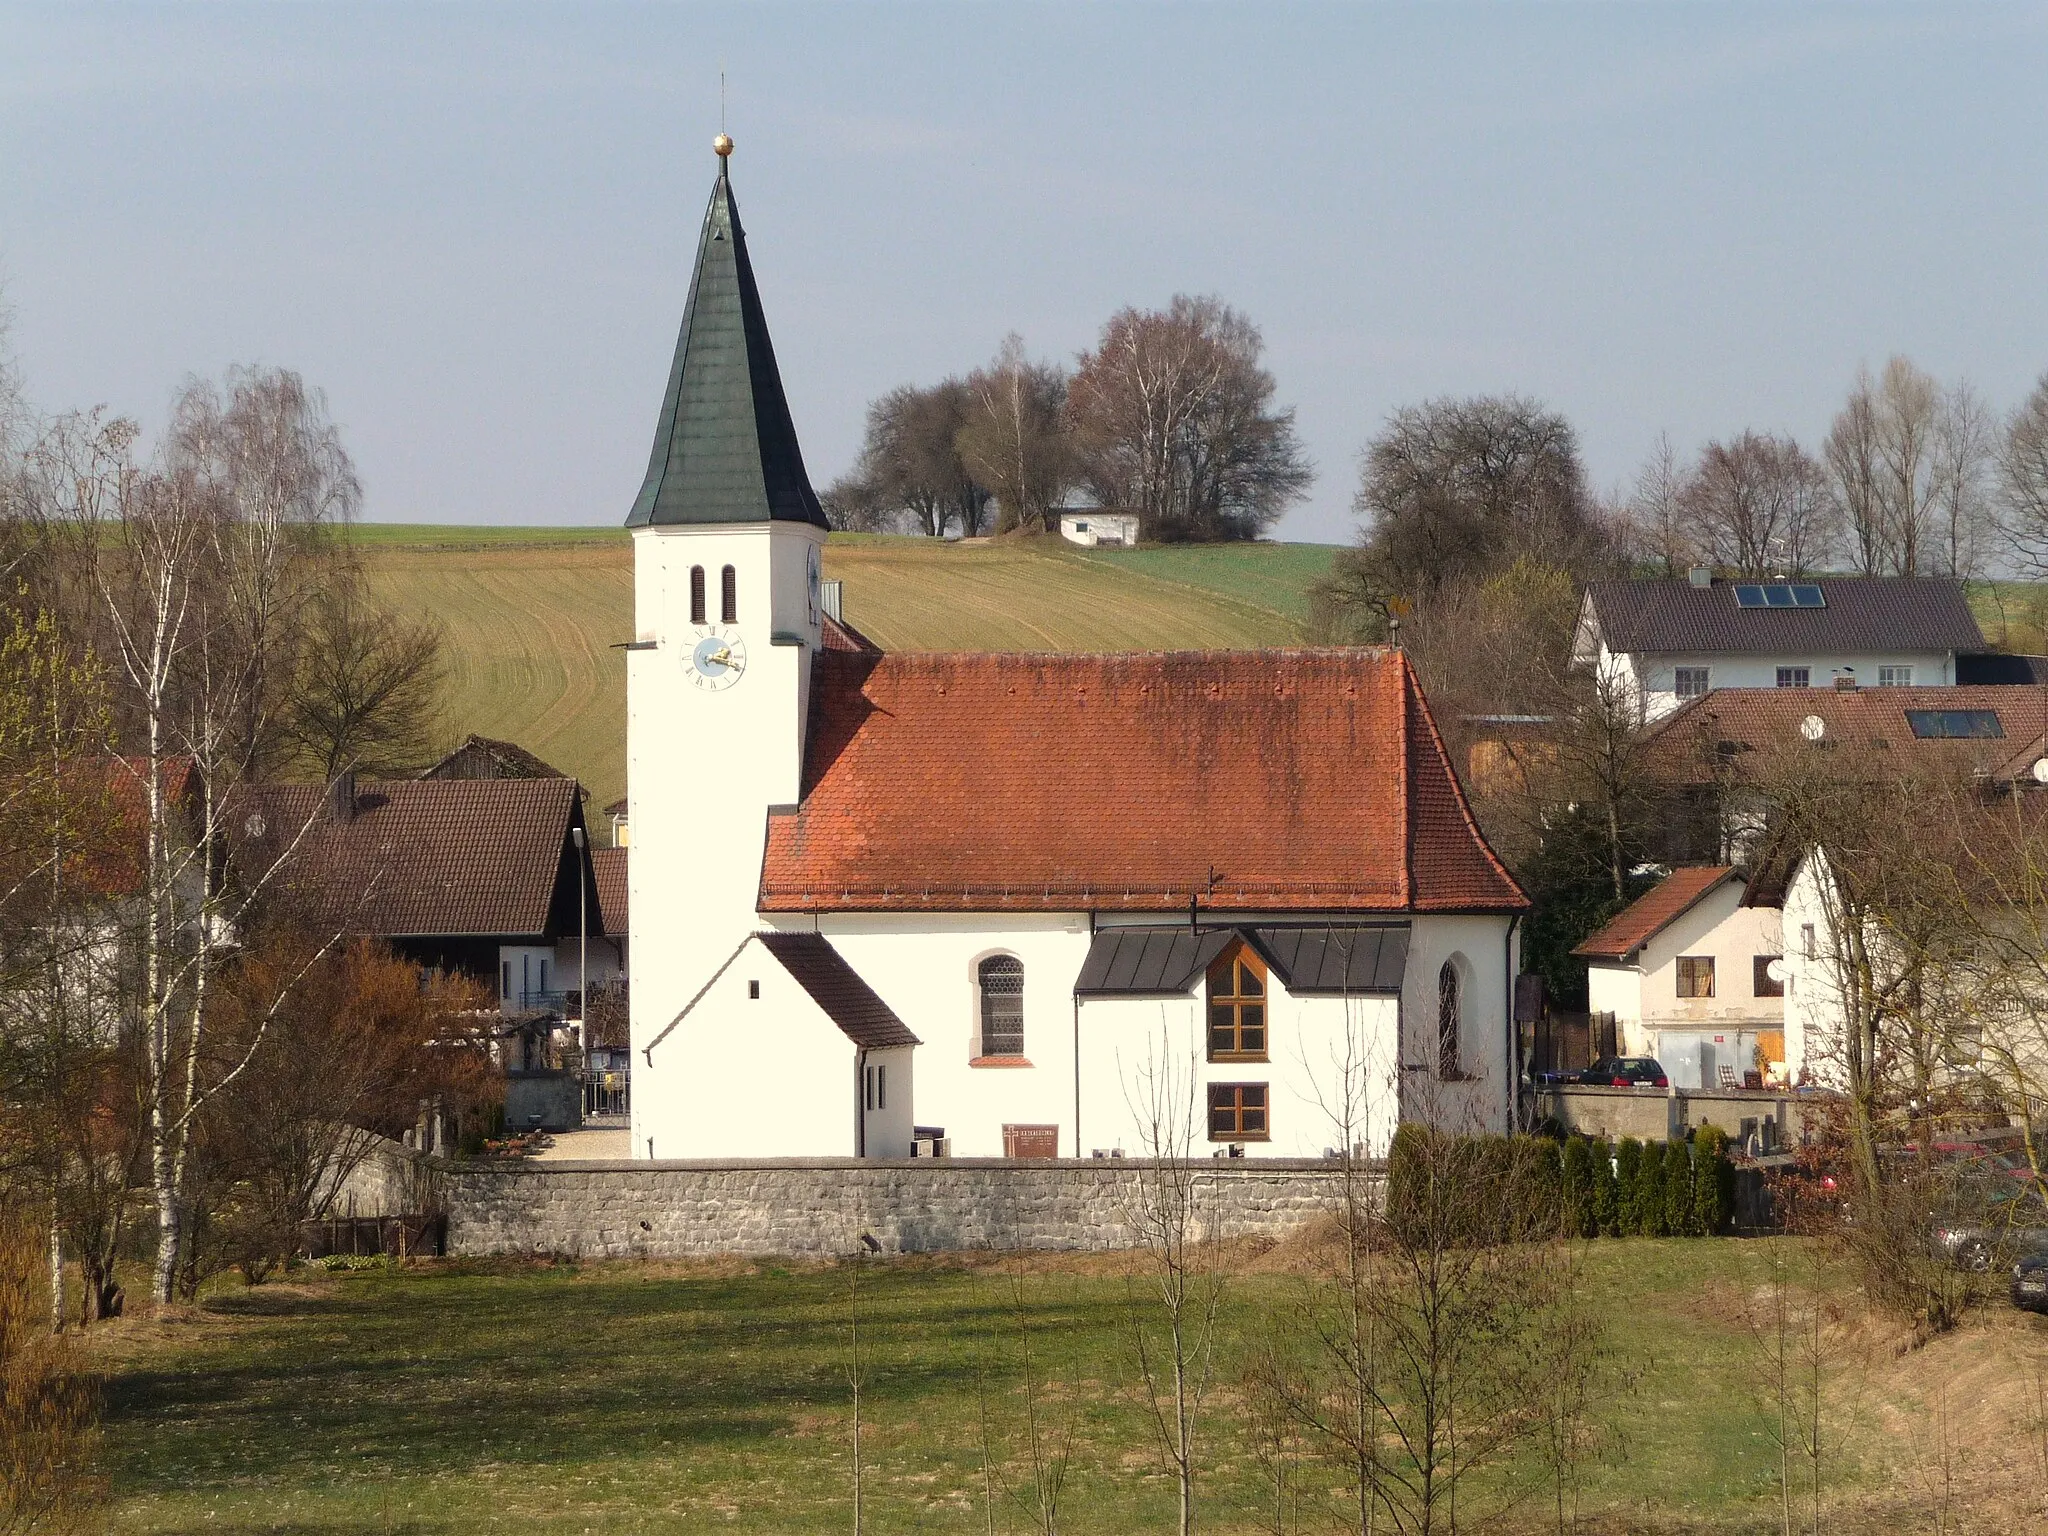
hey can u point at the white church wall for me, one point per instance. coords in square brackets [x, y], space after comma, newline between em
[1486, 959]
[1145, 1061]
[704, 764]
[766, 1076]
[923, 965]
[889, 1101]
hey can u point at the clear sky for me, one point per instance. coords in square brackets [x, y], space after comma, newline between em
[472, 225]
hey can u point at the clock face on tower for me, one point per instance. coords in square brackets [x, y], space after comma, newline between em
[718, 658]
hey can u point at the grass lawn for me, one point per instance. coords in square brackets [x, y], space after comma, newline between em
[630, 1398]
[532, 614]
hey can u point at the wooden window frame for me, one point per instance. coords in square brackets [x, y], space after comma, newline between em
[697, 609]
[1234, 963]
[1231, 1099]
[1690, 977]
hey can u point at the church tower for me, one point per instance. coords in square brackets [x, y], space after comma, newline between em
[727, 534]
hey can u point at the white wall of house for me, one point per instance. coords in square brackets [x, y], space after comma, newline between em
[1651, 1019]
[524, 972]
[1653, 677]
[703, 765]
[765, 1076]
[1487, 954]
[1097, 528]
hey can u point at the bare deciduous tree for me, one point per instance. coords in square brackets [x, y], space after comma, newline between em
[2023, 477]
[1759, 505]
[1173, 418]
[369, 685]
[1908, 460]
[1014, 439]
[910, 465]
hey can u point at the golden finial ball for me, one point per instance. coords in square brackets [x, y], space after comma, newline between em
[723, 144]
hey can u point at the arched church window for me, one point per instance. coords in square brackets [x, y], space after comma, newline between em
[729, 594]
[696, 594]
[1001, 978]
[1448, 1017]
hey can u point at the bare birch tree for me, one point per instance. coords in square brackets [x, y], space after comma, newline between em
[1013, 438]
[1908, 459]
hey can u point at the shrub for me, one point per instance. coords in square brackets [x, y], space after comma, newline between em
[1578, 1219]
[1606, 1190]
[1650, 1191]
[1678, 1197]
[1539, 1185]
[1713, 1181]
[1628, 1178]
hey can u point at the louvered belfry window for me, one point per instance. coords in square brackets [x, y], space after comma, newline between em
[1002, 1005]
[729, 594]
[696, 594]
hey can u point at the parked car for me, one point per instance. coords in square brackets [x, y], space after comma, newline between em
[1989, 1220]
[1624, 1072]
[2030, 1283]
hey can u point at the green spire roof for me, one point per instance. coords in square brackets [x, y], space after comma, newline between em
[725, 449]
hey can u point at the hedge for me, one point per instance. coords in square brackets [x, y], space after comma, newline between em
[1510, 1188]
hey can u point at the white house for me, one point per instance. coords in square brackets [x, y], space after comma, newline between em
[1237, 896]
[1094, 528]
[1694, 976]
[1668, 641]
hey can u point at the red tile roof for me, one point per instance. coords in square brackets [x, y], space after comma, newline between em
[1722, 730]
[1301, 780]
[1654, 911]
[419, 857]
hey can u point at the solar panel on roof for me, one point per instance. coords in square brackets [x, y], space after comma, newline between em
[1955, 724]
[1779, 594]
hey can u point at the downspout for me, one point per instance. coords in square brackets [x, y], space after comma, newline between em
[1077, 1077]
[1507, 965]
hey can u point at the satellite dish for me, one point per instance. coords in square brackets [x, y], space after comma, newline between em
[1813, 727]
[2041, 770]
[1776, 970]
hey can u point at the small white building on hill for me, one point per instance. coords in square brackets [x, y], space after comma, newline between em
[1094, 528]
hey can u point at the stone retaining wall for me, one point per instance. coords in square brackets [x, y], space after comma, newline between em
[820, 1207]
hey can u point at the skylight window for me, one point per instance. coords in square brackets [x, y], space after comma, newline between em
[1954, 724]
[1779, 594]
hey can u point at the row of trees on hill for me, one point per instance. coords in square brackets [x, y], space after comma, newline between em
[1171, 415]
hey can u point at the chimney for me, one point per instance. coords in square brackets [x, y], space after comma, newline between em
[828, 599]
[1845, 679]
[341, 796]
[1701, 575]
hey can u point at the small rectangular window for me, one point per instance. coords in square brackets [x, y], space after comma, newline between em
[505, 970]
[1794, 677]
[881, 1087]
[1894, 677]
[1237, 1112]
[1761, 984]
[754, 990]
[1692, 682]
[1806, 944]
[1695, 975]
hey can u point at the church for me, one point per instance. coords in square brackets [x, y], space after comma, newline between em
[1227, 903]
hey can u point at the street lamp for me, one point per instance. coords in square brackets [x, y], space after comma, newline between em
[582, 940]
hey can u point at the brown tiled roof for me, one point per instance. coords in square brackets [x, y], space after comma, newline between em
[419, 857]
[848, 1001]
[1724, 730]
[1654, 911]
[609, 865]
[1297, 780]
[486, 757]
[1885, 614]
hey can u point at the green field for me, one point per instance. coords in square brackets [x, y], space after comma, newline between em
[532, 615]
[654, 1398]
